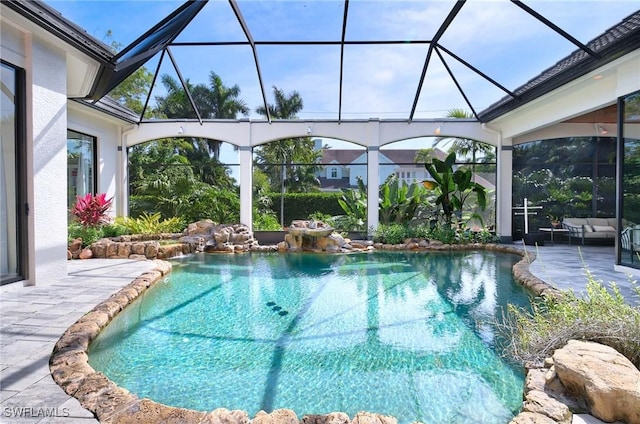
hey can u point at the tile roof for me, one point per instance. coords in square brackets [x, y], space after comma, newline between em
[621, 39]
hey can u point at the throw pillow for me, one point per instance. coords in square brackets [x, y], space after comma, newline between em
[603, 228]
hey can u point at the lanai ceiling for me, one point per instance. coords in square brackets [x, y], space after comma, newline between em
[362, 59]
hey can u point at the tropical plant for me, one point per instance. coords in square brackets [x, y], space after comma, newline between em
[354, 204]
[90, 210]
[88, 235]
[464, 147]
[266, 222]
[217, 101]
[151, 224]
[399, 201]
[453, 187]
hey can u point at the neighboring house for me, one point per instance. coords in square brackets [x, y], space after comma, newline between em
[341, 168]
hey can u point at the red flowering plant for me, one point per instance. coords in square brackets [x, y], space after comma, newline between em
[90, 210]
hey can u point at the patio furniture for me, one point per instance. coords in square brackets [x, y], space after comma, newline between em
[555, 230]
[630, 239]
[594, 229]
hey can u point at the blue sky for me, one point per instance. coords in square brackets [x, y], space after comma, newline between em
[379, 81]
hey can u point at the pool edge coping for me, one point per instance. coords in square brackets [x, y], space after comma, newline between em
[70, 369]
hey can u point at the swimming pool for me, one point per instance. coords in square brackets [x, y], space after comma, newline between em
[405, 334]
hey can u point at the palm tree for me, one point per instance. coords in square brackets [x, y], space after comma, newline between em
[216, 101]
[463, 146]
[285, 107]
[288, 151]
[224, 104]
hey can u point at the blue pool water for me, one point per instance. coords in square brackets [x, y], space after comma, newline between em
[405, 334]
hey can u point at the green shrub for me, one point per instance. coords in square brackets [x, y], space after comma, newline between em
[397, 233]
[88, 235]
[114, 230]
[302, 205]
[150, 224]
[601, 316]
[391, 234]
[266, 222]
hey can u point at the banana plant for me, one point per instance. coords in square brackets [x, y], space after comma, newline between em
[354, 203]
[399, 201]
[452, 187]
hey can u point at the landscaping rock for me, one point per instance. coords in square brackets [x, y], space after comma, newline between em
[86, 254]
[531, 418]
[279, 416]
[607, 380]
[333, 418]
[539, 402]
[75, 247]
[371, 418]
[224, 416]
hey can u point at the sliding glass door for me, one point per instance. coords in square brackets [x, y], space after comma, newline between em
[629, 180]
[13, 206]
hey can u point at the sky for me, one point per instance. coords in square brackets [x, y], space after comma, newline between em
[496, 37]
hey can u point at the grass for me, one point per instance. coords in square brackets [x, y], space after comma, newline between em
[602, 316]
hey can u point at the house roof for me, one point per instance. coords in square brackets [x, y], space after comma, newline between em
[51, 20]
[111, 107]
[347, 156]
[619, 40]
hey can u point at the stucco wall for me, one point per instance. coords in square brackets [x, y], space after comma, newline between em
[107, 133]
[49, 128]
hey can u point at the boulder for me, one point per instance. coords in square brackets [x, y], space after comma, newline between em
[279, 416]
[86, 254]
[539, 402]
[607, 380]
[225, 416]
[75, 247]
[531, 418]
[332, 418]
[205, 226]
[371, 418]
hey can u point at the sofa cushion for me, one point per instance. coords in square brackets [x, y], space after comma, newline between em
[609, 228]
[598, 221]
[576, 221]
[587, 228]
[600, 235]
[613, 222]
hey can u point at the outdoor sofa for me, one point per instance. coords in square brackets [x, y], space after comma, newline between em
[591, 229]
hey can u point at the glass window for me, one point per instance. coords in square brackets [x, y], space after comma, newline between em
[567, 177]
[629, 253]
[81, 160]
[12, 188]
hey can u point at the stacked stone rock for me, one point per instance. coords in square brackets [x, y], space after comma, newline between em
[582, 378]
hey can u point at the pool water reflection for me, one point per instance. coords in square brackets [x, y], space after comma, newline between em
[407, 334]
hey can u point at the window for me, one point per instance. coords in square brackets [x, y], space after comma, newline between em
[81, 160]
[13, 207]
[334, 173]
[629, 181]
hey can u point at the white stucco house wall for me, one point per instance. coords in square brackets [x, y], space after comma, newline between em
[55, 71]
